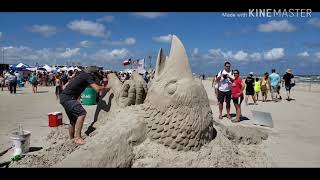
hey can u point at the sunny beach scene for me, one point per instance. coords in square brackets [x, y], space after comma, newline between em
[159, 89]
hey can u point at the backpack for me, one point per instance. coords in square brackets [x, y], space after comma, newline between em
[292, 82]
[12, 78]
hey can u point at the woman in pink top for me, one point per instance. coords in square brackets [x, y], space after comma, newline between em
[237, 93]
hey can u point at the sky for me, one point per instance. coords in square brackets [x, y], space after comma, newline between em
[255, 44]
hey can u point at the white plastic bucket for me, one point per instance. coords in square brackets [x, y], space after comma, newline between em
[21, 142]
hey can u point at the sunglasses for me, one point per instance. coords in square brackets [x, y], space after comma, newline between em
[235, 73]
[227, 66]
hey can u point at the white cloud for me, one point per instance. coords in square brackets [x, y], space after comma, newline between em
[128, 41]
[68, 53]
[163, 39]
[61, 56]
[274, 54]
[256, 56]
[304, 54]
[218, 54]
[45, 30]
[88, 28]
[150, 15]
[317, 55]
[85, 44]
[314, 22]
[241, 56]
[277, 26]
[107, 19]
[107, 55]
[195, 51]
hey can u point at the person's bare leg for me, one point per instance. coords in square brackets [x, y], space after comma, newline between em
[220, 110]
[289, 95]
[71, 130]
[78, 127]
[238, 109]
[254, 99]
[228, 110]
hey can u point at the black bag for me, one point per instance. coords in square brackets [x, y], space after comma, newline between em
[292, 82]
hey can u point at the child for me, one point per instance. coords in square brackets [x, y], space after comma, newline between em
[257, 88]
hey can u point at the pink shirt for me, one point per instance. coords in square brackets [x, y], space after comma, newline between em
[236, 88]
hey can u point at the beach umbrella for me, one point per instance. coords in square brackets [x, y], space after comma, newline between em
[32, 68]
[47, 68]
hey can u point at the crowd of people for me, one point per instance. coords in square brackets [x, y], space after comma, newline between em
[228, 85]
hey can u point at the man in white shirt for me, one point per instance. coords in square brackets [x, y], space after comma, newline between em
[224, 80]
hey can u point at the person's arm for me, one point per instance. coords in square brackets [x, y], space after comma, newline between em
[213, 81]
[242, 87]
[231, 77]
[98, 88]
[219, 76]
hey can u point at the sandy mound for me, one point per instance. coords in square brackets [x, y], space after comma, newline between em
[220, 152]
[234, 146]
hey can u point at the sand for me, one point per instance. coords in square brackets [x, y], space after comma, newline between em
[293, 142]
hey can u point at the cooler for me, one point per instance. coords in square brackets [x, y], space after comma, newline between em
[89, 96]
[55, 119]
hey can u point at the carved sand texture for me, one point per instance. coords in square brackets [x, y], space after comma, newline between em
[177, 108]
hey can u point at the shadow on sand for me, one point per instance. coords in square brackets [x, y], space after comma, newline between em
[42, 91]
[33, 149]
[233, 115]
[102, 105]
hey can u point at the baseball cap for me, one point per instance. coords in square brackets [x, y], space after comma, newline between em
[251, 73]
[91, 69]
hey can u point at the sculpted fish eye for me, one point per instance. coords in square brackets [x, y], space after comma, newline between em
[171, 87]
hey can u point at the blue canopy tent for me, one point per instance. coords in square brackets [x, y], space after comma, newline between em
[19, 67]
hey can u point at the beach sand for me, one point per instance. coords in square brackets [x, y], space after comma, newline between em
[293, 142]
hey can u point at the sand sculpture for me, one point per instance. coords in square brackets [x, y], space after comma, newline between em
[173, 111]
[177, 108]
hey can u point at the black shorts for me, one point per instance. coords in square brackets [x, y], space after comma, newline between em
[250, 91]
[73, 110]
[288, 87]
[224, 96]
[237, 100]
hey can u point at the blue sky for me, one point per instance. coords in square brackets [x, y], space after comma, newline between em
[106, 39]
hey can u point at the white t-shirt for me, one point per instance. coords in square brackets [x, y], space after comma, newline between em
[225, 84]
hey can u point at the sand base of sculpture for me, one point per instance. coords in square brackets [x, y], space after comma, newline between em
[120, 140]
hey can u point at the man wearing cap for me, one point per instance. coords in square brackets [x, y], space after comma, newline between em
[288, 82]
[274, 81]
[250, 88]
[69, 100]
